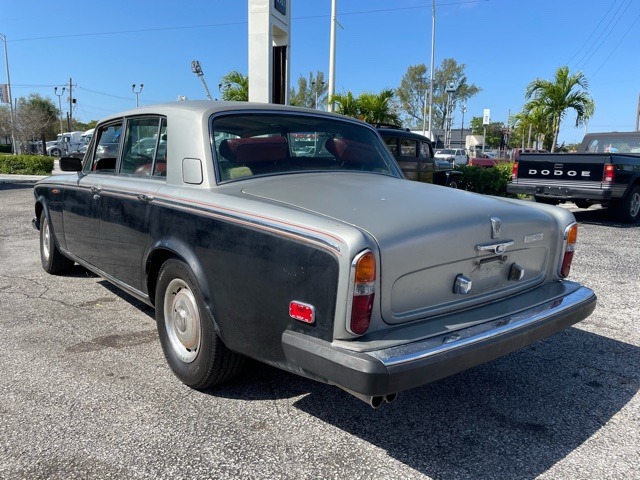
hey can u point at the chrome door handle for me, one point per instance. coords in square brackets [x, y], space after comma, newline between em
[145, 198]
[96, 189]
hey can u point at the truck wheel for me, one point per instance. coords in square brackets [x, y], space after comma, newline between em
[191, 346]
[52, 260]
[628, 209]
[55, 152]
[545, 200]
[453, 184]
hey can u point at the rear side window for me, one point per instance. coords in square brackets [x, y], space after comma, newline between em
[408, 147]
[145, 146]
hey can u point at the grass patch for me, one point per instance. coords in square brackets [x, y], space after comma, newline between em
[26, 164]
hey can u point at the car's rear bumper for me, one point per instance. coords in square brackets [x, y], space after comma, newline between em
[401, 367]
[562, 192]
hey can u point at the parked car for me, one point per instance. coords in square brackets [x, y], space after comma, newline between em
[414, 154]
[457, 156]
[329, 265]
[486, 160]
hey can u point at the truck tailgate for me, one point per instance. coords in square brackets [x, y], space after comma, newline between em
[555, 168]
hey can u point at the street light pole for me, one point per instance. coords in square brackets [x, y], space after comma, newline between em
[463, 109]
[433, 46]
[197, 69]
[313, 84]
[6, 60]
[55, 90]
[133, 89]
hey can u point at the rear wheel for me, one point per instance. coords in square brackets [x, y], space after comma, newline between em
[628, 210]
[191, 346]
[582, 203]
[52, 260]
[545, 200]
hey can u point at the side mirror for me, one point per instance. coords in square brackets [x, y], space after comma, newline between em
[70, 164]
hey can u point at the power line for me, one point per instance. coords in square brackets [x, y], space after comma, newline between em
[606, 32]
[595, 29]
[616, 47]
[227, 24]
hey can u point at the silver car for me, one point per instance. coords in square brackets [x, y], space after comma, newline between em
[324, 262]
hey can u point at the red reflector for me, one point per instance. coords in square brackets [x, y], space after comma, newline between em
[302, 312]
[566, 263]
[361, 313]
[514, 171]
[609, 173]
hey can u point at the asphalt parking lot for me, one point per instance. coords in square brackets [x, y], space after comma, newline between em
[86, 392]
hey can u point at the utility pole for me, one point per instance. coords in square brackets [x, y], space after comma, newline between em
[638, 114]
[70, 104]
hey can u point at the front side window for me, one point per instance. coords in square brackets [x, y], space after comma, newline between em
[105, 149]
[426, 150]
[253, 144]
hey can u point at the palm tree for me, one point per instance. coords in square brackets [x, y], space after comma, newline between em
[377, 108]
[554, 98]
[235, 86]
[346, 104]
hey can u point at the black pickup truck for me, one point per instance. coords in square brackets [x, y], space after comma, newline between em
[605, 170]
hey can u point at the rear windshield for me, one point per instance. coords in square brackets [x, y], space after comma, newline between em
[259, 144]
[613, 144]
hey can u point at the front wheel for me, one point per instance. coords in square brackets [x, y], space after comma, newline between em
[628, 210]
[52, 260]
[191, 346]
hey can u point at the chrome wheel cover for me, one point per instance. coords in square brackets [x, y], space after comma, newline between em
[46, 240]
[634, 206]
[182, 320]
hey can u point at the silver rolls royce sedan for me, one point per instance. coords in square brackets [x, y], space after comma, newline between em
[290, 236]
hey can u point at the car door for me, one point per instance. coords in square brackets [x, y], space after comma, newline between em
[127, 200]
[82, 202]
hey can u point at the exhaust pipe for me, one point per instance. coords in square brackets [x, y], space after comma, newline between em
[375, 401]
[391, 397]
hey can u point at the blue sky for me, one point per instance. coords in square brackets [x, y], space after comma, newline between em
[105, 47]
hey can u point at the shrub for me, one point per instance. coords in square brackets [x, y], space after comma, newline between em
[488, 181]
[26, 164]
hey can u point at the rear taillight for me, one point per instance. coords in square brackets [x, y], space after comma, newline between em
[514, 171]
[363, 275]
[570, 239]
[609, 173]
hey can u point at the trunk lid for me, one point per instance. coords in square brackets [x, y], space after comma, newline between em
[428, 236]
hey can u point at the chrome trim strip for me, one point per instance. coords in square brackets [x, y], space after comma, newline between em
[478, 333]
[143, 297]
[239, 217]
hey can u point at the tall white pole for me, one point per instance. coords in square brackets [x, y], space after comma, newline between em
[6, 59]
[433, 47]
[332, 57]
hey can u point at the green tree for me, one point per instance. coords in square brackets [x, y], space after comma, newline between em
[414, 84]
[235, 86]
[554, 98]
[494, 131]
[346, 104]
[412, 94]
[378, 108]
[35, 118]
[308, 90]
[370, 107]
[532, 126]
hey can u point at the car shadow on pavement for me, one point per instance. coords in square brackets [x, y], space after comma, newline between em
[512, 418]
[15, 186]
[601, 216]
